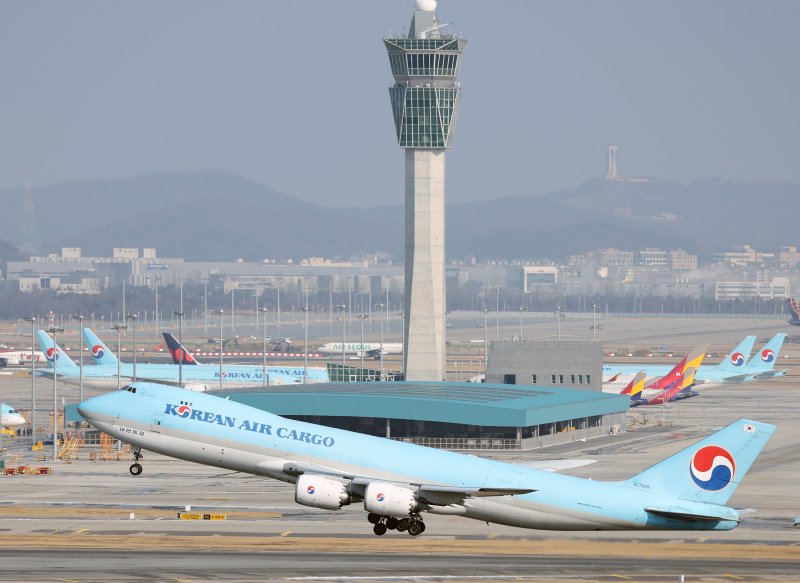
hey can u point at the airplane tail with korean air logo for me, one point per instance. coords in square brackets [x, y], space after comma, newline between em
[735, 362]
[100, 352]
[709, 470]
[52, 352]
[765, 359]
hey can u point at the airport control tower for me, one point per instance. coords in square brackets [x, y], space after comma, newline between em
[425, 100]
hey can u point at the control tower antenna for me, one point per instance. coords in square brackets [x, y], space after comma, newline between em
[611, 174]
[31, 240]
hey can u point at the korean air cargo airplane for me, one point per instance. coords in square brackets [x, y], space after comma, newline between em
[314, 374]
[104, 376]
[398, 483]
[730, 369]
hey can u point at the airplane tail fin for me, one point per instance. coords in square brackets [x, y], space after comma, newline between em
[178, 352]
[53, 352]
[794, 308]
[100, 352]
[636, 385]
[736, 359]
[765, 359]
[695, 359]
[672, 376]
[682, 383]
[709, 470]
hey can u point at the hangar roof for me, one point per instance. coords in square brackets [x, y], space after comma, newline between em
[468, 403]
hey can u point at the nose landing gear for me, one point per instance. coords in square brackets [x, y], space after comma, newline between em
[136, 467]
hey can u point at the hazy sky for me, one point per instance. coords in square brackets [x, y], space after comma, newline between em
[294, 94]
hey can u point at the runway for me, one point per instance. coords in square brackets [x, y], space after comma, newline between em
[121, 565]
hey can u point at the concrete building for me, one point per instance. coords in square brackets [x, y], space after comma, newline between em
[774, 289]
[425, 100]
[571, 364]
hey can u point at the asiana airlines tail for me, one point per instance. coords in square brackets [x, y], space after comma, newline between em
[399, 483]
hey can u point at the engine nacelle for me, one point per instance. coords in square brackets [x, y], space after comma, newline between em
[319, 492]
[390, 499]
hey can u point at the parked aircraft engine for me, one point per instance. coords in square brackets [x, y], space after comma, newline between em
[390, 499]
[319, 492]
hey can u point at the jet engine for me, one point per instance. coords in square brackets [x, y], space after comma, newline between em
[390, 499]
[319, 492]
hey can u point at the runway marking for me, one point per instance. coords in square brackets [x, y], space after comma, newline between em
[80, 530]
[732, 576]
[286, 533]
[620, 576]
[69, 580]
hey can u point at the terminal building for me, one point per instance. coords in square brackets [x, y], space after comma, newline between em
[459, 416]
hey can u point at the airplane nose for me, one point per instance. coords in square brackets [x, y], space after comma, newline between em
[101, 407]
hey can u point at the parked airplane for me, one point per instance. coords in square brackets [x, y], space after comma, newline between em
[314, 374]
[369, 349]
[398, 482]
[679, 388]
[794, 308]
[195, 378]
[728, 370]
[762, 364]
[10, 417]
[620, 385]
[19, 357]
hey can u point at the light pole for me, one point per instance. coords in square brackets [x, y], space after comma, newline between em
[155, 277]
[55, 331]
[220, 312]
[133, 318]
[278, 323]
[343, 308]
[522, 310]
[380, 312]
[485, 342]
[180, 315]
[80, 318]
[119, 328]
[497, 315]
[32, 320]
[594, 322]
[305, 342]
[362, 317]
[264, 367]
[558, 321]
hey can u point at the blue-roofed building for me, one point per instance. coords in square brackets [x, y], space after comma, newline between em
[463, 416]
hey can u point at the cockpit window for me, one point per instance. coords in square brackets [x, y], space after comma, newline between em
[128, 388]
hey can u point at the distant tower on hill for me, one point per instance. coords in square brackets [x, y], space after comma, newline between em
[611, 174]
[30, 238]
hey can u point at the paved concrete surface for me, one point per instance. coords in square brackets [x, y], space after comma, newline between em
[75, 524]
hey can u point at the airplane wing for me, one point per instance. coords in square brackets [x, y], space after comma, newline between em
[430, 493]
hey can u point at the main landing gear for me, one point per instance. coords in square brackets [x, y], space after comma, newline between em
[136, 467]
[413, 524]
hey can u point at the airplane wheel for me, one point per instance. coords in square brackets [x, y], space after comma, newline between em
[415, 528]
[391, 523]
[402, 525]
[135, 469]
[379, 529]
[373, 518]
[422, 526]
